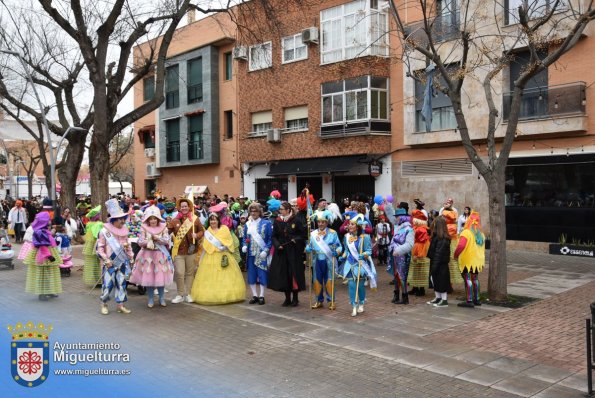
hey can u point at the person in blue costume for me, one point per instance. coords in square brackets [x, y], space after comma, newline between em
[325, 246]
[358, 263]
[257, 244]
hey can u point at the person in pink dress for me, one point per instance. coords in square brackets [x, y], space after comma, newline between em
[153, 267]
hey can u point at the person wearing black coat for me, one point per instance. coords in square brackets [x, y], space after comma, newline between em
[439, 254]
[287, 271]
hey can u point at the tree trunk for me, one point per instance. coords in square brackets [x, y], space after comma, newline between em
[30, 183]
[497, 281]
[99, 170]
[68, 171]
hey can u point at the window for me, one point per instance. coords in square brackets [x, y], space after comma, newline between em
[362, 98]
[535, 101]
[228, 66]
[293, 49]
[354, 30]
[228, 116]
[149, 139]
[536, 8]
[261, 122]
[261, 56]
[443, 117]
[148, 88]
[447, 24]
[296, 118]
[195, 137]
[194, 80]
[172, 87]
[172, 133]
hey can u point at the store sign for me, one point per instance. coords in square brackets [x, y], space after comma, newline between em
[375, 168]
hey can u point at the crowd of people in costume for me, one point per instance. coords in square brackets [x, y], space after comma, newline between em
[284, 245]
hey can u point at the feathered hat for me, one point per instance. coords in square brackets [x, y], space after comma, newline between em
[274, 204]
[275, 194]
[218, 207]
[323, 215]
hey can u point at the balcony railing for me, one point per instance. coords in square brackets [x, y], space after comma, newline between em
[550, 101]
[355, 128]
[195, 93]
[172, 99]
[443, 27]
[195, 150]
[173, 151]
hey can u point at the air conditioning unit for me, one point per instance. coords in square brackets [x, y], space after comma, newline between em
[240, 52]
[310, 35]
[150, 152]
[152, 170]
[274, 135]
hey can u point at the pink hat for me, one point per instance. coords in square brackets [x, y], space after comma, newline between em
[218, 207]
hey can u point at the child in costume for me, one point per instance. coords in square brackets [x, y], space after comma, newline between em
[325, 245]
[153, 266]
[91, 266]
[451, 216]
[358, 263]
[43, 261]
[63, 242]
[439, 255]
[27, 243]
[115, 254]
[400, 250]
[257, 244]
[240, 235]
[383, 238]
[470, 253]
[420, 263]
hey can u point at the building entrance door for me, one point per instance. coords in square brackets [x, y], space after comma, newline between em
[315, 185]
[353, 187]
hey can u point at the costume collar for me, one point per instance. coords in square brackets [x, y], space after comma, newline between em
[123, 231]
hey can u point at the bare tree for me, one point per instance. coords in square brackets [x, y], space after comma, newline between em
[55, 67]
[27, 153]
[476, 50]
[122, 159]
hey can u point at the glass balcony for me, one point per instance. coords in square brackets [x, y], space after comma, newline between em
[173, 151]
[443, 27]
[550, 101]
[195, 150]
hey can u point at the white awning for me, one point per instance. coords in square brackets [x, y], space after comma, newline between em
[196, 189]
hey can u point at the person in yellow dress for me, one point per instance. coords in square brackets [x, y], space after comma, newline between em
[470, 253]
[218, 279]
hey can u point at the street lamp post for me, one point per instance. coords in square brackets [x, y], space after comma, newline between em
[45, 123]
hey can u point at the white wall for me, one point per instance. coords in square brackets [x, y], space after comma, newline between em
[250, 177]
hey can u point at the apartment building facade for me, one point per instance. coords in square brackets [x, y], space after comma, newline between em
[550, 177]
[192, 138]
[314, 94]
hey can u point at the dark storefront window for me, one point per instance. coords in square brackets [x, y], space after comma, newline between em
[549, 196]
[264, 186]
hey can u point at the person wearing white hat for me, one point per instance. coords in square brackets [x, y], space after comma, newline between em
[153, 267]
[115, 253]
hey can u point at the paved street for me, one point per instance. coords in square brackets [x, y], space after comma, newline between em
[256, 351]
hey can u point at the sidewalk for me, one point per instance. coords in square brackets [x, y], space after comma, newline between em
[537, 350]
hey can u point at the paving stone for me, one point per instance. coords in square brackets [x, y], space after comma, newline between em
[521, 385]
[577, 381]
[546, 373]
[510, 364]
[558, 391]
[477, 357]
[419, 359]
[484, 375]
[450, 367]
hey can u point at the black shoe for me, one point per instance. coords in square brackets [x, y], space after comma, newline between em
[404, 299]
[395, 299]
[413, 291]
[420, 292]
[261, 301]
[295, 301]
[43, 297]
[466, 304]
[254, 300]
[477, 303]
[286, 303]
[52, 295]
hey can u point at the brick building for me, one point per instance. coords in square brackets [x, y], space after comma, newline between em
[192, 138]
[313, 85]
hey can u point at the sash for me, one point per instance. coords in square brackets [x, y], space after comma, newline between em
[118, 256]
[184, 228]
[214, 241]
[322, 245]
[367, 265]
[253, 232]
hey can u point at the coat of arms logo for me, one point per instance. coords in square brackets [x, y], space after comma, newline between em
[29, 353]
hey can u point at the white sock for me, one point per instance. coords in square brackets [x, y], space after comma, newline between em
[261, 291]
[253, 288]
[444, 296]
[438, 295]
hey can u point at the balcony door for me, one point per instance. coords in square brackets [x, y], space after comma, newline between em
[535, 97]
